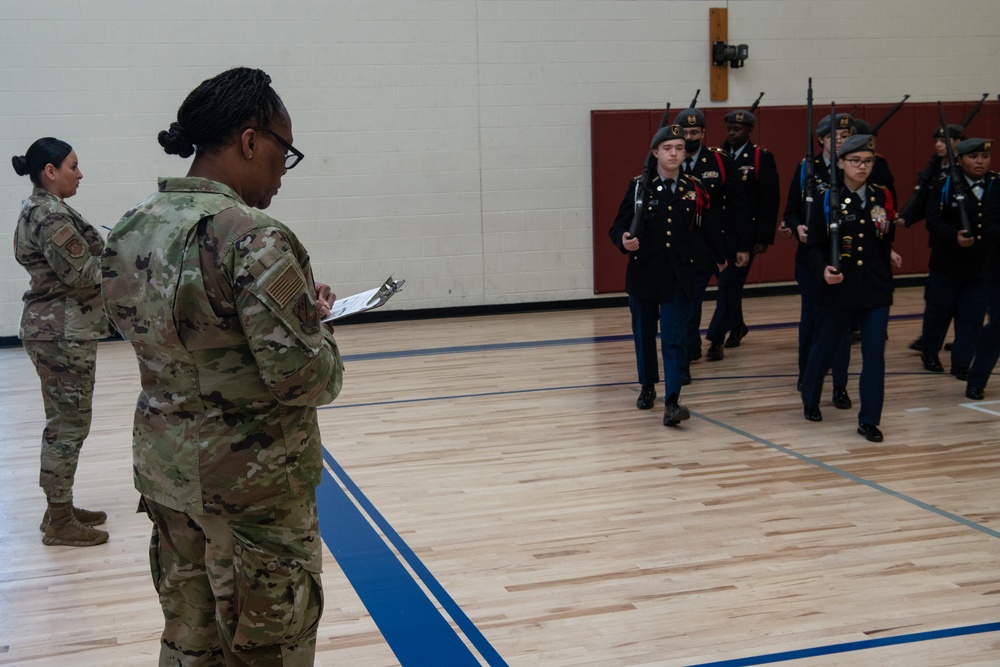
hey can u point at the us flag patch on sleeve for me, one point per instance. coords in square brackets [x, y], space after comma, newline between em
[283, 288]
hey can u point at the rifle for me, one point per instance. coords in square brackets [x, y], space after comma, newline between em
[694, 100]
[642, 186]
[890, 114]
[975, 110]
[807, 164]
[957, 178]
[756, 102]
[834, 194]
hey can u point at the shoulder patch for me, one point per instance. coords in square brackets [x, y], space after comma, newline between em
[63, 234]
[285, 286]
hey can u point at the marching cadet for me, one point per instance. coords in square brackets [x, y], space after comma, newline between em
[759, 175]
[793, 225]
[915, 209]
[219, 303]
[861, 288]
[728, 212]
[61, 323]
[955, 288]
[659, 278]
[988, 348]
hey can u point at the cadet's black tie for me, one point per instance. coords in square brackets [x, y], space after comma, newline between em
[688, 165]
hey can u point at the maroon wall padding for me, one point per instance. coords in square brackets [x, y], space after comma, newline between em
[620, 142]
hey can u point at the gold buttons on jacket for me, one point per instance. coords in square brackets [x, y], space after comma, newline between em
[860, 262]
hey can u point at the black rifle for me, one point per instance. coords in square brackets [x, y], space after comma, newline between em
[643, 185]
[834, 194]
[975, 110]
[694, 100]
[957, 178]
[756, 102]
[808, 189]
[887, 116]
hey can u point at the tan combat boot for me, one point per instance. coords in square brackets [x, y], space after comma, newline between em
[65, 529]
[86, 517]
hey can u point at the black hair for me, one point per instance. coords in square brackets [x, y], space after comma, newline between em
[47, 150]
[221, 107]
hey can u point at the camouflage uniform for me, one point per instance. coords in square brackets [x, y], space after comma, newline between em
[60, 326]
[219, 303]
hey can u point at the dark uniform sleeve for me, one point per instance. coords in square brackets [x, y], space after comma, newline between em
[769, 193]
[623, 220]
[942, 232]
[818, 236]
[915, 208]
[738, 216]
[793, 204]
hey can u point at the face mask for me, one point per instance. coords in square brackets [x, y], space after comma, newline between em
[691, 145]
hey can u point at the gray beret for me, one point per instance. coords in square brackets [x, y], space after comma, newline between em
[856, 143]
[843, 122]
[666, 133]
[690, 118]
[955, 131]
[974, 146]
[740, 117]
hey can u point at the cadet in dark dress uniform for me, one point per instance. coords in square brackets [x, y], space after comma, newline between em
[659, 279]
[862, 288]
[915, 209]
[988, 348]
[955, 285]
[793, 225]
[759, 175]
[727, 212]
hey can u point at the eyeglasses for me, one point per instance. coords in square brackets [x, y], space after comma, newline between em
[292, 155]
[857, 162]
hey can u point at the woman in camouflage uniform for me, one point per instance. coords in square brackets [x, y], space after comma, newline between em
[60, 326]
[219, 304]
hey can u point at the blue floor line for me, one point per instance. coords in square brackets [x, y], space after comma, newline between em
[413, 628]
[847, 647]
[369, 574]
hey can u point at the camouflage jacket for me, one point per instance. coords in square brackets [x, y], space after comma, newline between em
[62, 254]
[219, 304]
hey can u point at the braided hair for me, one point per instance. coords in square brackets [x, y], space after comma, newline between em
[44, 151]
[220, 108]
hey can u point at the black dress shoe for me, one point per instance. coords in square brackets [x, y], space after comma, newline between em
[975, 393]
[674, 414]
[813, 414]
[736, 337]
[841, 400]
[646, 397]
[932, 363]
[871, 432]
[961, 372]
[947, 347]
[715, 352]
[918, 344]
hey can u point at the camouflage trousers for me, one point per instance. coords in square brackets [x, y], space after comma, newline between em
[66, 369]
[238, 591]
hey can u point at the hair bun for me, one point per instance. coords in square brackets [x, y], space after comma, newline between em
[175, 142]
[20, 165]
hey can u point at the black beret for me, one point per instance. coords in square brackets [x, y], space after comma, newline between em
[666, 133]
[974, 146]
[741, 117]
[856, 143]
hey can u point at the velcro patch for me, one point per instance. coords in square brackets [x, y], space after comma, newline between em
[63, 234]
[285, 286]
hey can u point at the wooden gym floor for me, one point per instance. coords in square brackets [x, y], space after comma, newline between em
[493, 497]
